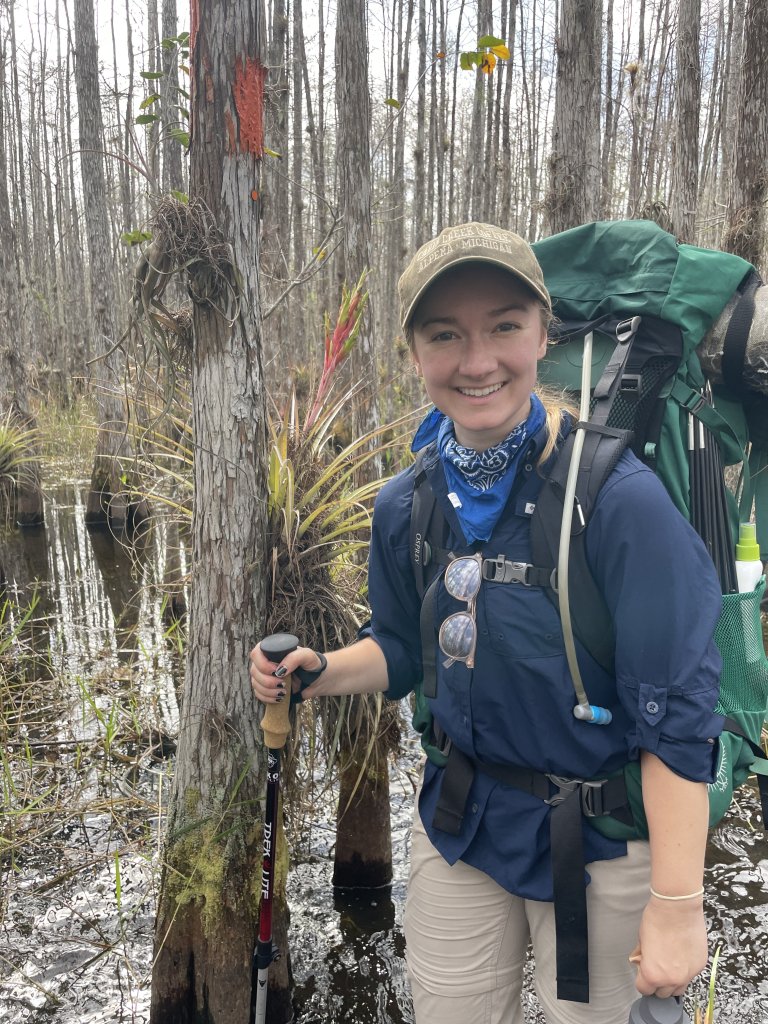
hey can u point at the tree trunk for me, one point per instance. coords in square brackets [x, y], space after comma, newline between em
[353, 152]
[745, 233]
[636, 71]
[275, 237]
[685, 145]
[14, 401]
[362, 836]
[107, 502]
[170, 100]
[206, 927]
[574, 162]
[363, 854]
[419, 172]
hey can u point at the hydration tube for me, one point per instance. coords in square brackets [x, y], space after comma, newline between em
[583, 710]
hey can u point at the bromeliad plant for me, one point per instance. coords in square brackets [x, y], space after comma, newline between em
[320, 507]
[320, 503]
[18, 456]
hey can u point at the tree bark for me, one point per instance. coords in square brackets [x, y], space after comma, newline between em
[107, 502]
[685, 145]
[574, 162]
[14, 398]
[173, 173]
[353, 153]
[206, 927]
[746, 228]
[361, 836]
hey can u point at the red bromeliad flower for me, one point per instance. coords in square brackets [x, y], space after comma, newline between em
[339, 342]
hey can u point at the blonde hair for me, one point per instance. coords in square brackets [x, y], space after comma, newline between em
[556, 405]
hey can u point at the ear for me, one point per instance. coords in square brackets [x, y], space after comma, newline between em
[541, 351]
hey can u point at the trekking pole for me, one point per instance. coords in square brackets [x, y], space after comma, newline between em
[275, 725]
[652, 1010]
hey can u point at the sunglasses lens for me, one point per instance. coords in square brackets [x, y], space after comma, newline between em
[462, 578]
[457, 636]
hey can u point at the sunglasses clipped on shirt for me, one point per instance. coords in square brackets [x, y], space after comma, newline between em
[458, 633]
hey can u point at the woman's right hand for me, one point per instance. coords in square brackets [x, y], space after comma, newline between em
[270, 688]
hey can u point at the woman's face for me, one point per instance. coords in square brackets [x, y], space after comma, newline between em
[478, 336]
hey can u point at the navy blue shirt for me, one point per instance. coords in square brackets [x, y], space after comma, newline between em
[516, 705]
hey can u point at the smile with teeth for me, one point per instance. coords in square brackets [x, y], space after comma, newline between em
[480, 392]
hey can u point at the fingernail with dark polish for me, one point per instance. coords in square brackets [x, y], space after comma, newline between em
[280, 672]
[279, 697]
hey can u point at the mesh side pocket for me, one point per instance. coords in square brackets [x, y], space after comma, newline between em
[744, 680]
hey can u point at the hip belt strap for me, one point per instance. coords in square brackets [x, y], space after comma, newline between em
[570, 799]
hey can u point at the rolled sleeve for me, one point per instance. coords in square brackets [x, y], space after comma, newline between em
[663, 593]
[394, 601]
[679, 728]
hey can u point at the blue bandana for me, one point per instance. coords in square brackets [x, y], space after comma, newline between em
[479, 483]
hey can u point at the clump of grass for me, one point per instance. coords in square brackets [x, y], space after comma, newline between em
[18, 459]
[68, 435]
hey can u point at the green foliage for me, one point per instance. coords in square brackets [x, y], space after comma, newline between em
[489, 50]
[135, 237]
[176, 131]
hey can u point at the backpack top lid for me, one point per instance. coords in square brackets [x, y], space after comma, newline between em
[634, 267]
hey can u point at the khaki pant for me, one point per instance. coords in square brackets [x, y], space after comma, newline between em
[467, 939]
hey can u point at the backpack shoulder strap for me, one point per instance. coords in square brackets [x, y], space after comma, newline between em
[426, 537]
[427, 522]
[603, 447]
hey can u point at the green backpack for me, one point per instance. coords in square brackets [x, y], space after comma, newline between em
[648, 302]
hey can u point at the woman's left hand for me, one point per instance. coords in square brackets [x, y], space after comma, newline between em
[673, 947]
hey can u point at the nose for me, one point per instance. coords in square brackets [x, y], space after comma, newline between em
[478, 359]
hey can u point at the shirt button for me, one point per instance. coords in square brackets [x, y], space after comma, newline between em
[652, 707]
[475, 808]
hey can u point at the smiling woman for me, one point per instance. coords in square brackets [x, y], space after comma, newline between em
[498, 823]
[477, 339]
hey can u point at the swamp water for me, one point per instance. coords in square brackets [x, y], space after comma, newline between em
[87, 741]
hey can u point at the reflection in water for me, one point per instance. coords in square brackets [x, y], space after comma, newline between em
[100, 603]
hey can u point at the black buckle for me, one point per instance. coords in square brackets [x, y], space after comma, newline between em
[591, 794]
[442, 740]
[564, 788]
[501, 570]
[592, 803]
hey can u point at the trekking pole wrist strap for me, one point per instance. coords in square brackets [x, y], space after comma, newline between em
[307, 678]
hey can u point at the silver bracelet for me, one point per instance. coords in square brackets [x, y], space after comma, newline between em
[690, 896]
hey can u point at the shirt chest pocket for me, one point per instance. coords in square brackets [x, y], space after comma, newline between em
[518, 622]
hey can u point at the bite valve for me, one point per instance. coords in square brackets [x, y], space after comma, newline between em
[592, 714]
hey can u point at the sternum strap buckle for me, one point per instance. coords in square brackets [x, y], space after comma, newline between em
[501, 570]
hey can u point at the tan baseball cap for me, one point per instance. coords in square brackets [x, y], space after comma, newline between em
[466, 243]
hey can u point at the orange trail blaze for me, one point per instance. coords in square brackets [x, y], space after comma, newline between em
[248, 93]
